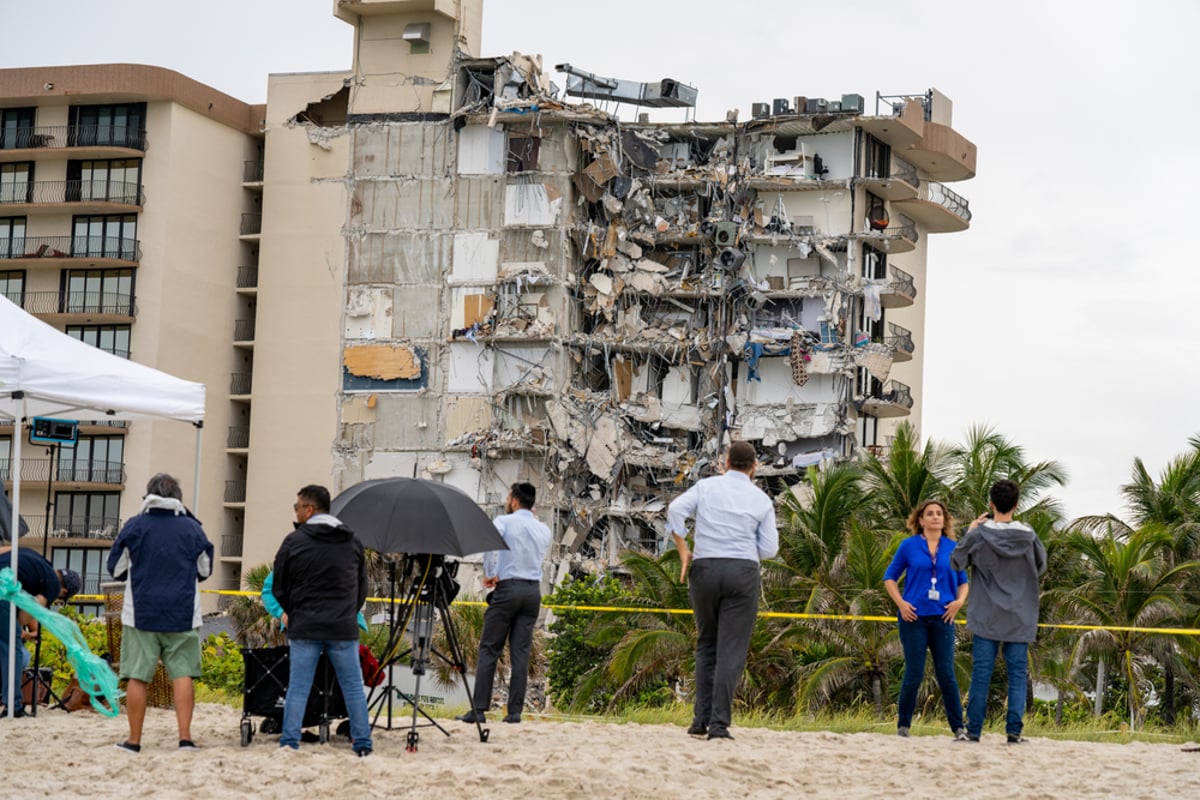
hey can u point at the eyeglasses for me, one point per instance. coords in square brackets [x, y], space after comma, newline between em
[298, 506]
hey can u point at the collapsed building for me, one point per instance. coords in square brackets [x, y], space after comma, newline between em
[599, 306]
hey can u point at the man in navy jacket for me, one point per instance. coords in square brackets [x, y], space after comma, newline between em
[162, 554]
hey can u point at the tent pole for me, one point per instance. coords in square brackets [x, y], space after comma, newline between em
[196, 479]
[14, 637]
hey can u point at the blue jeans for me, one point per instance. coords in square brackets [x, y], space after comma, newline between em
[936, 636]
[1016, 659]
[302, 666]
[22, 661]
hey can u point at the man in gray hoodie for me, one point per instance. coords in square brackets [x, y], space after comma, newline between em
[1005, 559]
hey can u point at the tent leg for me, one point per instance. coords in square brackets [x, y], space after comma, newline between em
[196, 479]
[14, 638]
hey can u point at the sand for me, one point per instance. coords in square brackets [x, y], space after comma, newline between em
[71, 755]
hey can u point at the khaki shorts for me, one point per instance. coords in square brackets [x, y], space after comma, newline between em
[141, 650]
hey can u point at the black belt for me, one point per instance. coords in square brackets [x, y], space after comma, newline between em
[519, 580]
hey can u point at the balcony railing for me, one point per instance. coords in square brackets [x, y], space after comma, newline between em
[235, 491]
[238, 437]
[60, 136]
[91, 191]
[905, 228]
[115, 303]
[105, 423]
[902, 170]
[243, 330]
[896, 393]
[38, 469]
[252, 171]
[251, 224]
[71, 247]
[239, 382]
[247, 277]
[231, 545]
[899, 338]
[947, 198]
[901, 283]
[76, 527]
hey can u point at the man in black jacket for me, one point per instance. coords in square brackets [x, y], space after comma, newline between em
[321, 583]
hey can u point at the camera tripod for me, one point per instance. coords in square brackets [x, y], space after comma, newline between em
[428, 587]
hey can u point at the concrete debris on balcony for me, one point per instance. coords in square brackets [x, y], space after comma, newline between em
[624, 299]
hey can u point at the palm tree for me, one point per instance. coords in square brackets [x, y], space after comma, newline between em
[908, 474]
[1122, 579]
[253, 627]
[987, 457]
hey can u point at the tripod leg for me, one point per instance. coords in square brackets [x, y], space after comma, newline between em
[459, 662]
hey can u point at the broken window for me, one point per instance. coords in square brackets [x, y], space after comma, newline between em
[523, 153]
[874, 263]
[782, 313]
[877, 161]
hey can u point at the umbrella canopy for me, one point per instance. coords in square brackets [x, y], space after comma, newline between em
[409, 515]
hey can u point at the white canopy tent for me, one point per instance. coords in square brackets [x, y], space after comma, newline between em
[45, 373]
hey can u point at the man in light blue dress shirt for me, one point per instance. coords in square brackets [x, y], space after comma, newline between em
[735, 530]
[515, 578]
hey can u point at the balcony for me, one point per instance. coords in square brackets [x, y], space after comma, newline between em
[900, 291]
[247, 277]
[939, 208]
[100, 196]
[38, 470]
[66, 526]
[901, 342]
[251, 224]
[894, 399]
[252, 171]
[901, 182]
[235, 491]
[943, 153]
[115, 307]
[239, 383]
[55, 251]
[84, 141]
[901, 237]
[238, 438]
[231, 545]
[243, 330]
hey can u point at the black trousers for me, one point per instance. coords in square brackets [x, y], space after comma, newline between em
[510, 616]
[724, 595]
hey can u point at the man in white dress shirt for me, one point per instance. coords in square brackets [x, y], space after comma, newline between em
[734, 531]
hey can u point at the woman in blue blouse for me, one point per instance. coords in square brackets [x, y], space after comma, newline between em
[932, 596]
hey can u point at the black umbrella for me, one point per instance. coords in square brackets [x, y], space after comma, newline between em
[409, 515]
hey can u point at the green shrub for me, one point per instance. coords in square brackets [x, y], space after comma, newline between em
[570, 655]
[221, 665]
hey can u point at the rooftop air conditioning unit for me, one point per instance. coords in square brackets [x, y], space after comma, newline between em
[759, 110]
[816, 105]
[780, 107]
[852, 104]
[834, 106]
[725, 234]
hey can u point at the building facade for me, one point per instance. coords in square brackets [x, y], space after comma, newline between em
[436, 265]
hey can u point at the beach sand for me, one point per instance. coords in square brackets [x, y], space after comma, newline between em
[72, 755]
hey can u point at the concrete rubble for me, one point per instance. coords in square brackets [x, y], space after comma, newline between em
[622, 299]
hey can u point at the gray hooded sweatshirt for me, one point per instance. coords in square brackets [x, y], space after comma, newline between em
[1005, 560]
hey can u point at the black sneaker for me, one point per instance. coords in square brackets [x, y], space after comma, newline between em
[187, 744]
[720, 734]
[1016, 738]
[471, 717]
[128, 748]
[512, 719]
[697, 729]
[902, 731]
[363, 753]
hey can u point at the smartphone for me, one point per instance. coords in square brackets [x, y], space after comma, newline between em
[989, 515]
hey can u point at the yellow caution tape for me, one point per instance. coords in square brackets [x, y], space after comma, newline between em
[764, 614]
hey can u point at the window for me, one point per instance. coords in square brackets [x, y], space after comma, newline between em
[16, 182]
[5, 458]
[878, 161]
[89, 562]
[92, 459]
[99, 291]
[87, 513]
[874, 263]
[16, 127]
[12, 286]
[116, 180]
[12, 237]
[113, 236]
[109, 338]
[523, 153]
[118, 125]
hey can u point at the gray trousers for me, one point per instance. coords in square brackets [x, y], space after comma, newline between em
[510, 616]
[724, 596]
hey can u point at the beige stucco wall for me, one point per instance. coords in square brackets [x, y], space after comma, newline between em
[297, 358]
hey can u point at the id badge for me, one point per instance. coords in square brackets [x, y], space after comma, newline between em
[934, 594]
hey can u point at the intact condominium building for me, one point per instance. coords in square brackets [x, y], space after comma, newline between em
[438, 265]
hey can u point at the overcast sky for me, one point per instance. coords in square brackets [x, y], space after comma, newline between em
[1063, 316]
